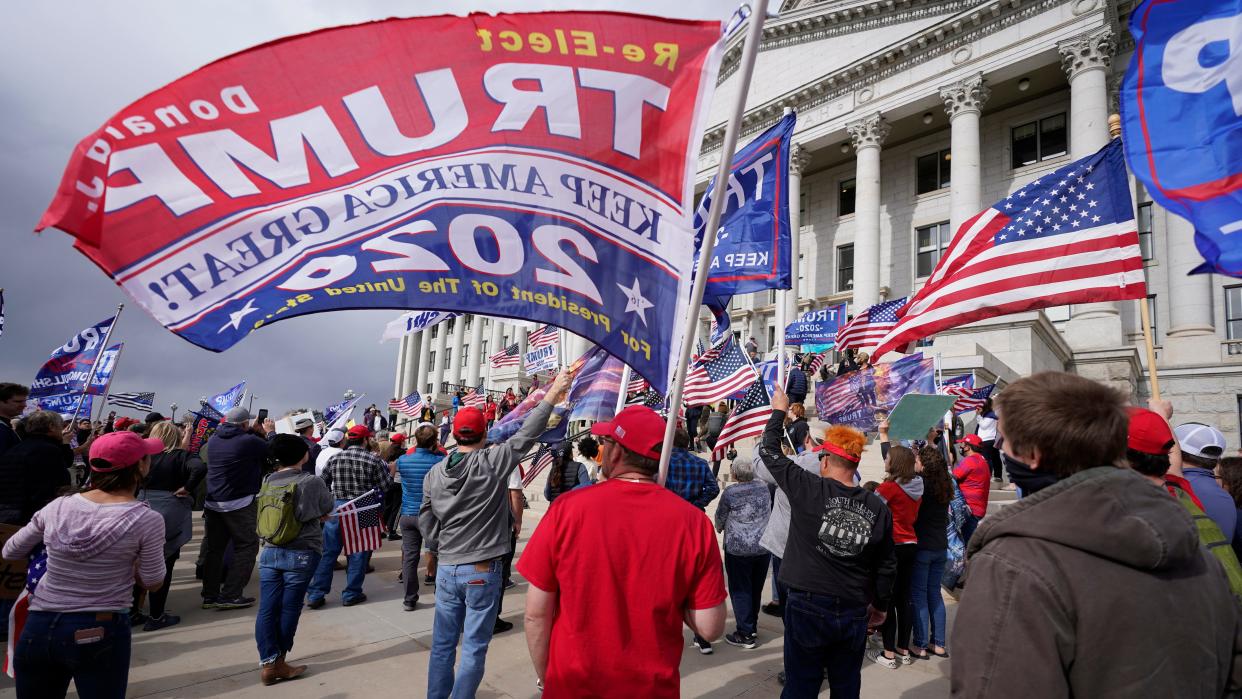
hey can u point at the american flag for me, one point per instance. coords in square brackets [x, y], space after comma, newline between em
[412, 405]
[475, 398]
[748, 418]
[637, 384]
[1067, 237]
[543, 459]
[133, 401]
[870, 326]
[719, 373]
[968, 397]
[21, 608]
[543, 337]
[817, 361]
[509, 356]
[362, 528]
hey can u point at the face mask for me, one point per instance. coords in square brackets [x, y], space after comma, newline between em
[1023, 476]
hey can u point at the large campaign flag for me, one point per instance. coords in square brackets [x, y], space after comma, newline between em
[592, 395]
[816, 328]
[1181, 113]
[412, 322]
[752, 243]
[70, 364]
[226, 401]
[1067, 237]
[534, 165]
[105, 367]
[65, 404]
[863, 398]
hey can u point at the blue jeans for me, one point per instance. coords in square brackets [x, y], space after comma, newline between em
[968, 528]
[467, 600]
[925, 597]
[48, 655]
[778, 590]
[825, 637]
[355, 565]
[283, 577]
[746, 574]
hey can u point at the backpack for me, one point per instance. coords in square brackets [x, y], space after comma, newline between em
[277, 518]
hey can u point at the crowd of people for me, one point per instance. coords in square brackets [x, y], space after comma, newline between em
[1124, 525]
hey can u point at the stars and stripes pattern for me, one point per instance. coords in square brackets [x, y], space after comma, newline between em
[748, 418]
[817, 362]
[870, 326]
[637, 384]
[543, 337]
[543, 459]
[474, 398]
[509, 356]
[362, 528]
[842, 394]
[1067, 237]
[21, 608]
[412, 405]
[968, 397]
[718, 373]
[133, 401]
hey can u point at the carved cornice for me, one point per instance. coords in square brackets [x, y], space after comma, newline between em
[869, 131]
[965, 95]
[799, 158]
[1090, 51]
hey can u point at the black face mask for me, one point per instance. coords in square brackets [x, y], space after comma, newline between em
[1023, 476]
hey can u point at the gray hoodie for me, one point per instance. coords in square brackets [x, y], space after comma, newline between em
[777, 532]
[465, 515]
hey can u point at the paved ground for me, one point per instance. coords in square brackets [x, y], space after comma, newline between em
[376, 650]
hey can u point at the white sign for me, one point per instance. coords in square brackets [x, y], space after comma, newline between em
[545, 358]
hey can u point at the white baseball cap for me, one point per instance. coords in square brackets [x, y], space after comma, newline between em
[1198, 439]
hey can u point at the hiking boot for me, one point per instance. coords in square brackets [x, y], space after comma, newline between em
[280, 670]
[154, 624]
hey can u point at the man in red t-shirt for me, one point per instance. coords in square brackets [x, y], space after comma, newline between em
[615, 569]
[972, 474]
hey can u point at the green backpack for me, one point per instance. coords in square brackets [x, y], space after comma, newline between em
[278, 520]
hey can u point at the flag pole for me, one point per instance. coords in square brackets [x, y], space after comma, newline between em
[1114, 131]
[95, 365]
[746, 67]
[626, 373]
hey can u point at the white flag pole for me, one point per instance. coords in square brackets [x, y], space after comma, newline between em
[625, 382]
[750, 49]
[95, 365]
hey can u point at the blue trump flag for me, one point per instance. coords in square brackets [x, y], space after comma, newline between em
[1181, 109]
[224, 402]
[752, 244]
[816, 328]
[65, 372]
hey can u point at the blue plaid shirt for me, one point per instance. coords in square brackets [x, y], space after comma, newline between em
[690, 477]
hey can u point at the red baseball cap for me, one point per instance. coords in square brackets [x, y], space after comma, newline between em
[971, 439]
[469, 422]
[397, 438]
[1148, 433]
[124, 423]
[359, 432]
[122, 450]
[637, 428]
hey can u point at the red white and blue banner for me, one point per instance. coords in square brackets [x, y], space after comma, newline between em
[816, 328]
[413, 321]
[65, 404]
[226, 401]
[1181, 114]
[864, 398]
[65, 372]
[535, 166]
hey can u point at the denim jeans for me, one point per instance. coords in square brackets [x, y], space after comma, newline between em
[283, 577]
[467, 599]
[238, 528]
[778, 589]
[48, 655]
[746, 578]
[825, 636]
[411, 549]
[925, 597]
[355, 565]
[968, 528]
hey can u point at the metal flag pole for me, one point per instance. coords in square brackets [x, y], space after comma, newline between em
[95, 365]
[750, 49]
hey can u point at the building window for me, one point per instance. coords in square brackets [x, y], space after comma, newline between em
[771, 295]
[1155, 324]
[465, 355]
[801, 276]
[435, 330]
[845, 197]
[1233, 316]
[933, 171]
[1144, 229]
[451, 322]
[1039, 140]
[483, 350]
[431, 360]
[802, 199]
[845, 267]
[931, 241]
[448, 357]
[771, 336]
[469, 321]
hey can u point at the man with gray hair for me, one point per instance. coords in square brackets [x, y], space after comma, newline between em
[36, 470]
[235, 457]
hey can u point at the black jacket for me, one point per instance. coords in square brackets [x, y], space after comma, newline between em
[171, 470]
[796, 385]
[235, 459]
[32, 474]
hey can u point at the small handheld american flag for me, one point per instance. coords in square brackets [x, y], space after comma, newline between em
[362, 528]
[748, 418]
[411, 405]
[508, 356]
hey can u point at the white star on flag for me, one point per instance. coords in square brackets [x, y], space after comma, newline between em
[634, 301]
[235, 318]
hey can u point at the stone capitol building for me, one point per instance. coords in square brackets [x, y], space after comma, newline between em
[913, 116]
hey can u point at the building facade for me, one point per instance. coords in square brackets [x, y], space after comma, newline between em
[914, 115]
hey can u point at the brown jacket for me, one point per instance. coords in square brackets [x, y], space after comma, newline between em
[1096, 586]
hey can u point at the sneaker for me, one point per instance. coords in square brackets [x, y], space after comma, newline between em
[315, 603]
[741, 640]
[154, 624]
[408, 607]
[703, 645]
[773, 609]
[509, 584]
[906, 659]
[502, 626]
[878, 657]
[239, 603]
[353, 600]
[429, 580]
[211, 603]
[137, 619]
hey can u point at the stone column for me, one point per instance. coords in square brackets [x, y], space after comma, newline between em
[423, 371]
[438, 373]
[521, 342]
[963, 102]
[799, 159]
[1191, 337]
[868, 135]
[475, 363]
[459, 334]
[403, 368]
[1085, 60]
[493, 346]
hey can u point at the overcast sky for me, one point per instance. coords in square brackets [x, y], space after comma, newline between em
[63, 72]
